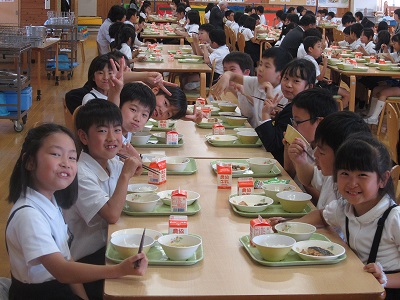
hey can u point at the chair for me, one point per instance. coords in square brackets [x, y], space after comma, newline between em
[233, 38]
[98, 48]
[194, 94]
[241, 42]
[392, 129]
[264, 46]
[338, 35]
[68, 118]
[395, 100]
[228, 37]
[339, 101]
[395, 174]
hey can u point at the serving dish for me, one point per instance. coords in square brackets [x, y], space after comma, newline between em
[275, 171]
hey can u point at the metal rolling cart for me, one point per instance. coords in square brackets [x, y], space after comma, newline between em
[14, 80]
[62, 25]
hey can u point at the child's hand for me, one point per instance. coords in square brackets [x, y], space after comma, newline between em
[324, 60]
[377, 270]
[296, 151]
[276, 220]
[388, 56]
[196, 116]
[384, 48]
[269, 106]
[132, 166]
[222, 85]
[156, 79]
[127, 267]
[129, 150]
[267, 86]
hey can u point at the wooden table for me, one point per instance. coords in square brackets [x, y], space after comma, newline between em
[163, 19]
[176, 67]
[227, 271]
[162, 35]
[196, 146]
[372, 71]
[49, 43]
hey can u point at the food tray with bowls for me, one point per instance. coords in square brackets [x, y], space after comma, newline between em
[214, 110]
[154, 143]
[292, 258]
[164, 210]
[211, 139]
[273, 210]
[191, 168]
[209, 125]
[172, 125]
[242, 168]
[157, 256]
[152, 60]
[191, 60]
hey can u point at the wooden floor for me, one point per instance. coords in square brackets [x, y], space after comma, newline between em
[49, 109]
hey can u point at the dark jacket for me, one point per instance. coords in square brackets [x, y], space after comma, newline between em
[292, 41]
[217, 17]
[271, 132]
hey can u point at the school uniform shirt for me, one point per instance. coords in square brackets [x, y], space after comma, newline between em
[137, 42]
[317, 69]
[354, 45]
[219, 54]
[34, 232]
[279, 25]
[192, 28]
[103, 37]
[126, 50]
[263, 21]
[95, 187]
[143, 15]
[363, 228]
[326, 186]
[235, 27]
[395, 56]
[301, 52]
[340, 27]
[248, 34]
[207, 16]
[127, 139]
[370, 47]
[89, 96]
[229, 23]
[343, 43]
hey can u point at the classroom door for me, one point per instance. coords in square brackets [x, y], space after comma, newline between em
[9, 12]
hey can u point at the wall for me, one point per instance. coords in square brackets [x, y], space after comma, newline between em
[9, 12]
[34, 13]
[87, 8]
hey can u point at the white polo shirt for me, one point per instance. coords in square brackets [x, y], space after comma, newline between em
[95, 188]
[192, 28]
[33, 233]
[219, 54]
[235, 27]
[103, 37]
[370, 47]
[126, 50]
[327, 188]
[248, 34]
[317, 69]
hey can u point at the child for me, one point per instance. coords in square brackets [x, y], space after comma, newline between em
[102, 183]
[331, 132]
[172, 106]
[309, 108]
[113, 32]
[137, 104]
[280, 16]
[359, 16]
[98, 75]
[313, 47]
[230, 17]
[367, 46]
[145, 10]
[346, 21]
[252, 44]
[192, 24]
[390, 89]
[43, 180]
[362, 173]
[264, 86]
[355, 34]
[124, 42]
[202, 38]
[116, 14]
[301, 53]
[260, 13]
[219, 51]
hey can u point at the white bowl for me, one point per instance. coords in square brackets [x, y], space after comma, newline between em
[227, 106]
[179, 247]
[177, 163]
[142, 202]
[261, 164]
[142, 188]
[148, 158]
[247, 137]
[166, 197]
[147, 128]
[128, 244]
[149, 232]
[162, 137]
[244, 129]
[293, 201]
[298, 231]
[140, 138]
[271, 189]
[222, 139]
[235, 121]
[273, 247]
[334, 248]
[247, 203]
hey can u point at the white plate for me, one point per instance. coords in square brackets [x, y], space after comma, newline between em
[166, 196]
[336, 249]
[245, 167]
[149, 232]
[142, 188]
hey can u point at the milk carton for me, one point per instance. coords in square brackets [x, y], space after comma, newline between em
[163, 123]
[206, 111]
[218, 129]
[178, 225]
[159, 164]
[179, 201]
[172, 137]
[224, 175]
[200, 102]
[245, 186]
[259, 226]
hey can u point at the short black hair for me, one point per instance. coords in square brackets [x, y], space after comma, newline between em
[331, 14]
[346, 19]
[260, 9]
[114, 29]
[307, 19]
[141, 20]
[228, 13]
[397, 12]
[301, 68]
[348, 13]
[116, 55]
[347, 30]
[209, 6]
[193, 16]
[310, 41]
[237, 16]
[177, 100]
[312, 32]
[300, 9]
[97, 112]
[335, 128]
[356, 28]
[131, 12]
[181, 8]
[359, 15]
[293, 18]
[290, 10]
[368, 32]
[383, 38]
[116, 13]
[218, 36]
[318, 102]
[136, 91]
[250, 23]
[98, 64]
[242, 19]
[279, 13]
[248, 8]
[382, 26]
[255, 16]
[242, 59]
[206, 27]
[280, 57]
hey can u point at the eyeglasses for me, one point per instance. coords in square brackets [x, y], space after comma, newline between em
[297, 123]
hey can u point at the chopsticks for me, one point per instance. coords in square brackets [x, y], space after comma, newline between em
[137, 263]
[143, 165]
[261, 99]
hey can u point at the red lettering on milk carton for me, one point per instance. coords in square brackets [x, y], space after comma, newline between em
[179, 201]
[178, 225]
[224, 175]
[245, 186]
[259, 226]
[163, 123]
[159, 165]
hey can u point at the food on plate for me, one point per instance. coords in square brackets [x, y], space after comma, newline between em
[317, 251]
[239, 167]
[212, 120]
